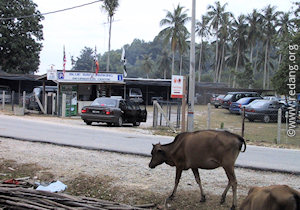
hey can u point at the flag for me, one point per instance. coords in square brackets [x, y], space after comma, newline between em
[96, 61]
[64, 61]
[123, 60]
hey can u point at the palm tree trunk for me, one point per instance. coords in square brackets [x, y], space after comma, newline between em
[216, 64]
[200, 60]
[251, 53]
[173, 61]
[236, 67]
[265, 65]
[180, 68]
[109, 38]
[222, 61]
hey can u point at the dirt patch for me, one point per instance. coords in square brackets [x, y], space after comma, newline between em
[125, 178]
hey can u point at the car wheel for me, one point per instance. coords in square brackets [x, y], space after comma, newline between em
[266, 119]
[216, 106]
[120, 122]
[136, 123]
[88, 122]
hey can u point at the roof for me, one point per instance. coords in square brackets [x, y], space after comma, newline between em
[29, 77]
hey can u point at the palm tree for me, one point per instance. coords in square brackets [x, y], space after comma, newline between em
[202, 30]
[164, 63]
[286, 27]
[110, 7]
[147, 63]
[175, 23]
[254, 21]
[225, 31]
[182, 48]
[215, 14]
[269, 20]
[239, 41]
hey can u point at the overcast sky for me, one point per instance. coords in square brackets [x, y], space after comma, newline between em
[87, 26]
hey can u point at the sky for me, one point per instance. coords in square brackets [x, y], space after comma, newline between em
[88, 26]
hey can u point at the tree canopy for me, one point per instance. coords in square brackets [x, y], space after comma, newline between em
[20, 36]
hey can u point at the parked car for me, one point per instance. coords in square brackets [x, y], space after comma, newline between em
[216, 100]
[7, 93]
[31, 102]
[263, 110]
[237, 107]
[235, 96]
[114, 111]
[272, 98]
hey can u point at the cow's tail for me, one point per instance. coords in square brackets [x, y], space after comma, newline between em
[243, 143]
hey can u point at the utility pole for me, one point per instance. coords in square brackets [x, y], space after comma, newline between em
[190, 117]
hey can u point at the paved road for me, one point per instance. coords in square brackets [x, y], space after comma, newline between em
[95, 137]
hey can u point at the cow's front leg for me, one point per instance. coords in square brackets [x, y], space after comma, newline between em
[177, 178]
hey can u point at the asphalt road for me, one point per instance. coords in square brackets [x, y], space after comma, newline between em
[95, 137]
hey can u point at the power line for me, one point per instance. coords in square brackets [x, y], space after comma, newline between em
[48, 13]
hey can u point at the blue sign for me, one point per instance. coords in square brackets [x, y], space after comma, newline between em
[120, 77]
[60, 75]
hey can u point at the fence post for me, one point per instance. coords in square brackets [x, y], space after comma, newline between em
[279, 125]
[155, 115]
[63, 105]
[3, 100]
[53, 103]
[208, 115]
[24, 97]
[12, 100]
[243, 122]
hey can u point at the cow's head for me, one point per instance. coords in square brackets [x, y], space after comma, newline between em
[158, 156]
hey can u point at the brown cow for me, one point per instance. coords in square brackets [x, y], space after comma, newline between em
[207, 149]
[275, 197]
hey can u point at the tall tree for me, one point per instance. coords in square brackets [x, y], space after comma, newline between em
[202, 30]
[85, 61]
[110, 7]
[20, 36]
[175, 23]
[215, 13]
[147, 64]
[182, 48]
[269, 20]
[239, 41]
[164, 62]
[254, 32]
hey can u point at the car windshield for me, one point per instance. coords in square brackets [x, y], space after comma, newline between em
[227, 97]
[108, 102]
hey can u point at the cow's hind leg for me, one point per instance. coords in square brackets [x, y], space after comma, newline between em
[231, 182]
[198, 180]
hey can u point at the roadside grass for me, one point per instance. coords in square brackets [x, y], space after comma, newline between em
[257, 133]
[103, 187]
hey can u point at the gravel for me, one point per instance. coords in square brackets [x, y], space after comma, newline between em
[129, 171]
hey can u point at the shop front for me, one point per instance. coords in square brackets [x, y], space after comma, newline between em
[81, 88]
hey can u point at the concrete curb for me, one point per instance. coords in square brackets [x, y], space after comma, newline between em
[144, 155]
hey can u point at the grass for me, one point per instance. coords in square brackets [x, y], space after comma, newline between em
[255, 132]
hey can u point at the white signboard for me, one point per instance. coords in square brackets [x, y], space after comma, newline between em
[52, 74]
[88, 77]
[177, 86]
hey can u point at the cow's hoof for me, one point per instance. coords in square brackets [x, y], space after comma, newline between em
[203, 199]
[222, 200]
[232, 207]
